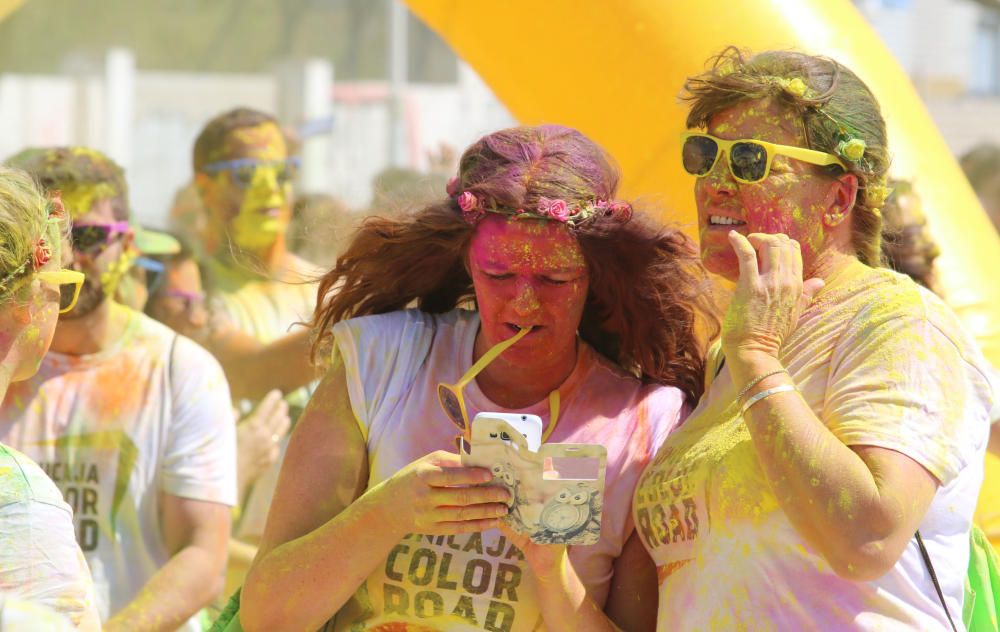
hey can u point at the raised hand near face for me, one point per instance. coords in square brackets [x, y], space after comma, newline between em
[770, 294]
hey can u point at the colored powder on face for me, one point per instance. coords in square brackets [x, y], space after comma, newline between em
[80, 200]
[259, 213]
[260, 219]
[791, 200]
[263, 142]
[111, 277]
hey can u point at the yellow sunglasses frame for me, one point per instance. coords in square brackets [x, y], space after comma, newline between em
[64, 277]
[820, 158]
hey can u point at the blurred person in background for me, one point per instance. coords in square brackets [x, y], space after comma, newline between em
[320, 224]
[132, 421]
[132, 290]
[244, 176]
[42, 570]
[177, 299]
[982, 167]
[187, 218]
[908, 244]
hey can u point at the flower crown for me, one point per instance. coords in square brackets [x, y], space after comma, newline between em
[476, 207]
[41, 251]
[850, 146]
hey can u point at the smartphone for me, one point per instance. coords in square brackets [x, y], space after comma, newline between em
[530, 427]
[557, 492]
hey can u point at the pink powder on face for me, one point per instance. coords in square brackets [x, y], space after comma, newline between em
[791, 200]
[528, 273]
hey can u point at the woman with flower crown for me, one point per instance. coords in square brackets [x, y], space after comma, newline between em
[836, 456]
[582, 311]
[44, 579]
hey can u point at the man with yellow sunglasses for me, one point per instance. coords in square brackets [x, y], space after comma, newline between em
[131, 421]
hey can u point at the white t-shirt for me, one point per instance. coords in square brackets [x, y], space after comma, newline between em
[150, 414]
[265, 309]
[40, 561]
[882, 362]
[17, 615]
[394, 363]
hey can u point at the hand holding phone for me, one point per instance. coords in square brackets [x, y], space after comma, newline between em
[556, 490]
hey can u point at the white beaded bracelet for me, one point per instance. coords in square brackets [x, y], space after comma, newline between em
[784, 388]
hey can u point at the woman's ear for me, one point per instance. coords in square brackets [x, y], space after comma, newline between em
[844, 191]
[18, 312]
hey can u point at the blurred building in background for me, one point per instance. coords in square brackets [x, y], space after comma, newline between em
[951, 51]
[362, 83]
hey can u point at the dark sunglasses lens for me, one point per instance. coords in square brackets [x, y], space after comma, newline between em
[449, 402]
[749, 161]
[243, 176]
[285, 174]
[66, 292]
[699, 154]
[89, 237]
[154, 279]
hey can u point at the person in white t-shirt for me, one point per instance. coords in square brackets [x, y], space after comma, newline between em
[41, 565]
[243, 172]
[375, 524]
[847, 411]
[131, 421]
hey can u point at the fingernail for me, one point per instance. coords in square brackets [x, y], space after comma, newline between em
[501, 511]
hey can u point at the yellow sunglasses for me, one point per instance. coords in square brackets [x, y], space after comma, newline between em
[453, 403]
[64, 277]
[749, 160]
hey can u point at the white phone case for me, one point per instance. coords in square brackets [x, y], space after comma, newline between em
[557, 491]
[530, 427]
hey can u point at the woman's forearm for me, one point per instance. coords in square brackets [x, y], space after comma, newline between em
[300, 584]
[824, 487]
[563, 601]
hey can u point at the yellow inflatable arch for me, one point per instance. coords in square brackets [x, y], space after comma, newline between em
[614, 69]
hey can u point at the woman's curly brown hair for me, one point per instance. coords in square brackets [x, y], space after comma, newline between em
[649, 307]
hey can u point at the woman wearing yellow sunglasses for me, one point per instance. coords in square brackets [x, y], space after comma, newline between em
[40, 562]
[847, 408]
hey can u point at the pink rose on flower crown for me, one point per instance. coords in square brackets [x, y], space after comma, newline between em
[452, 186]
[42, 253]
[473, 216]
[621, 211]
[467, 201]
[556, 209]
